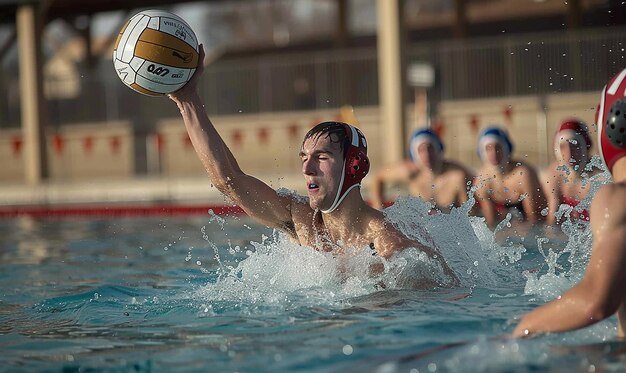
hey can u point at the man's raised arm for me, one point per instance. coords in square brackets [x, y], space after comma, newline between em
[255, 197]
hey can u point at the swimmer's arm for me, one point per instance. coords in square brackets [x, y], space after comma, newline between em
[399, 172]
[602, 289]
[553, 194]
[255, 197]
[535, 200]
[486, 206]
[464, 187]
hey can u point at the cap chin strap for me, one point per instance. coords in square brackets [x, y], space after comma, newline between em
[600, 127]
[339, 197]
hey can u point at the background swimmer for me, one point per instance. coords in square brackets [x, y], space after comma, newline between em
[566, 180]
[505, 183]
[427, 174]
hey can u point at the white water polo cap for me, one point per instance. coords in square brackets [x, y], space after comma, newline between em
[355, 166]
[611, 121]
[421, 136]
[496, 135]
[572, 130]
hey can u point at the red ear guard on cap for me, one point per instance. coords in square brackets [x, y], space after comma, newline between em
[611, 121]
[356, 164]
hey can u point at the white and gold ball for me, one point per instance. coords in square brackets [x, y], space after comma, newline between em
[156, 53]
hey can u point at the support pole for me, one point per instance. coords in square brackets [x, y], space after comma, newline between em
[29, 30]
[392, 82]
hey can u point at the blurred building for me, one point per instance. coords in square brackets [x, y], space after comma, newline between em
[298, 61]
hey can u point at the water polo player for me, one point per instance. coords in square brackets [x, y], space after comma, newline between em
[505, 184]
[334, 161]
[427, 174]
[566, 177]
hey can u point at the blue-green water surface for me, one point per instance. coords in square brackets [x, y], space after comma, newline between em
[206, 294]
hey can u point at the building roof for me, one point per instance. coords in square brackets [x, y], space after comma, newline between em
[73, 8]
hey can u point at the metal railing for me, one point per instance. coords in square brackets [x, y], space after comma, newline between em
[517, 65]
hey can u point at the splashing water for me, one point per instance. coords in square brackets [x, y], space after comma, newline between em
[278, 271]
[566, 266]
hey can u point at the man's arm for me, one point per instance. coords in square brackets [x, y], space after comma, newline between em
[482, 196]
[465, 184]
[603, 287]
[399, 172]
[552, 190]
[535, 200]
[256, 198]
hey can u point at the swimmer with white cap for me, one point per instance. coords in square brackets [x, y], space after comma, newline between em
[334, 217]
[427, 174]
[566, 177]
[505, 184]
[602, 291]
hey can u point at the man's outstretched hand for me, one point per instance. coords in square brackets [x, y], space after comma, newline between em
[191, 87]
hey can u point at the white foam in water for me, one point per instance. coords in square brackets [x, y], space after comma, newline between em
[558, 278]
[465, 242]
[278, 269]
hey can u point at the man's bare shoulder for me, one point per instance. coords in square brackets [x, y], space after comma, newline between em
[521, 166]
[485, 173]
[388, 239]
[457, 167]
[609, 205]
[301, 211]
[457, 172]
[553, 170]
[299, 205]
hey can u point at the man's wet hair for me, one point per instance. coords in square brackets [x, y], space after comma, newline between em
[328, 129]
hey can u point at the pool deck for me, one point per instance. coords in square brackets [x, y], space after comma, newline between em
[123, 197]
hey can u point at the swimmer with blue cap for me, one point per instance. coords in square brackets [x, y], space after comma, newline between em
[602, 291]
[427, 174]
[505, 184]
[333, 216]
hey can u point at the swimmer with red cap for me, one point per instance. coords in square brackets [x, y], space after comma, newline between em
[566, 179]
[427, 174]
[505, 184]
[334, 217]
[602, 291]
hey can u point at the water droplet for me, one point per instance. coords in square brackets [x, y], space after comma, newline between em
[347, 350]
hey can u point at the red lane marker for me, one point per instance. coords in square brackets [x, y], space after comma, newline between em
[107, 211]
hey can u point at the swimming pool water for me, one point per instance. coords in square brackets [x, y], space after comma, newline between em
[205, 294]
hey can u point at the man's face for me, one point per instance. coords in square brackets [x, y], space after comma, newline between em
[494, 153]
[427, 154]
[573, 152]
[322, 164]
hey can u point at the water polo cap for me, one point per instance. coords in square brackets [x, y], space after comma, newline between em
[496, 134]
[423, 135]
[356, 164]
[611, 120]
[572, 129]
